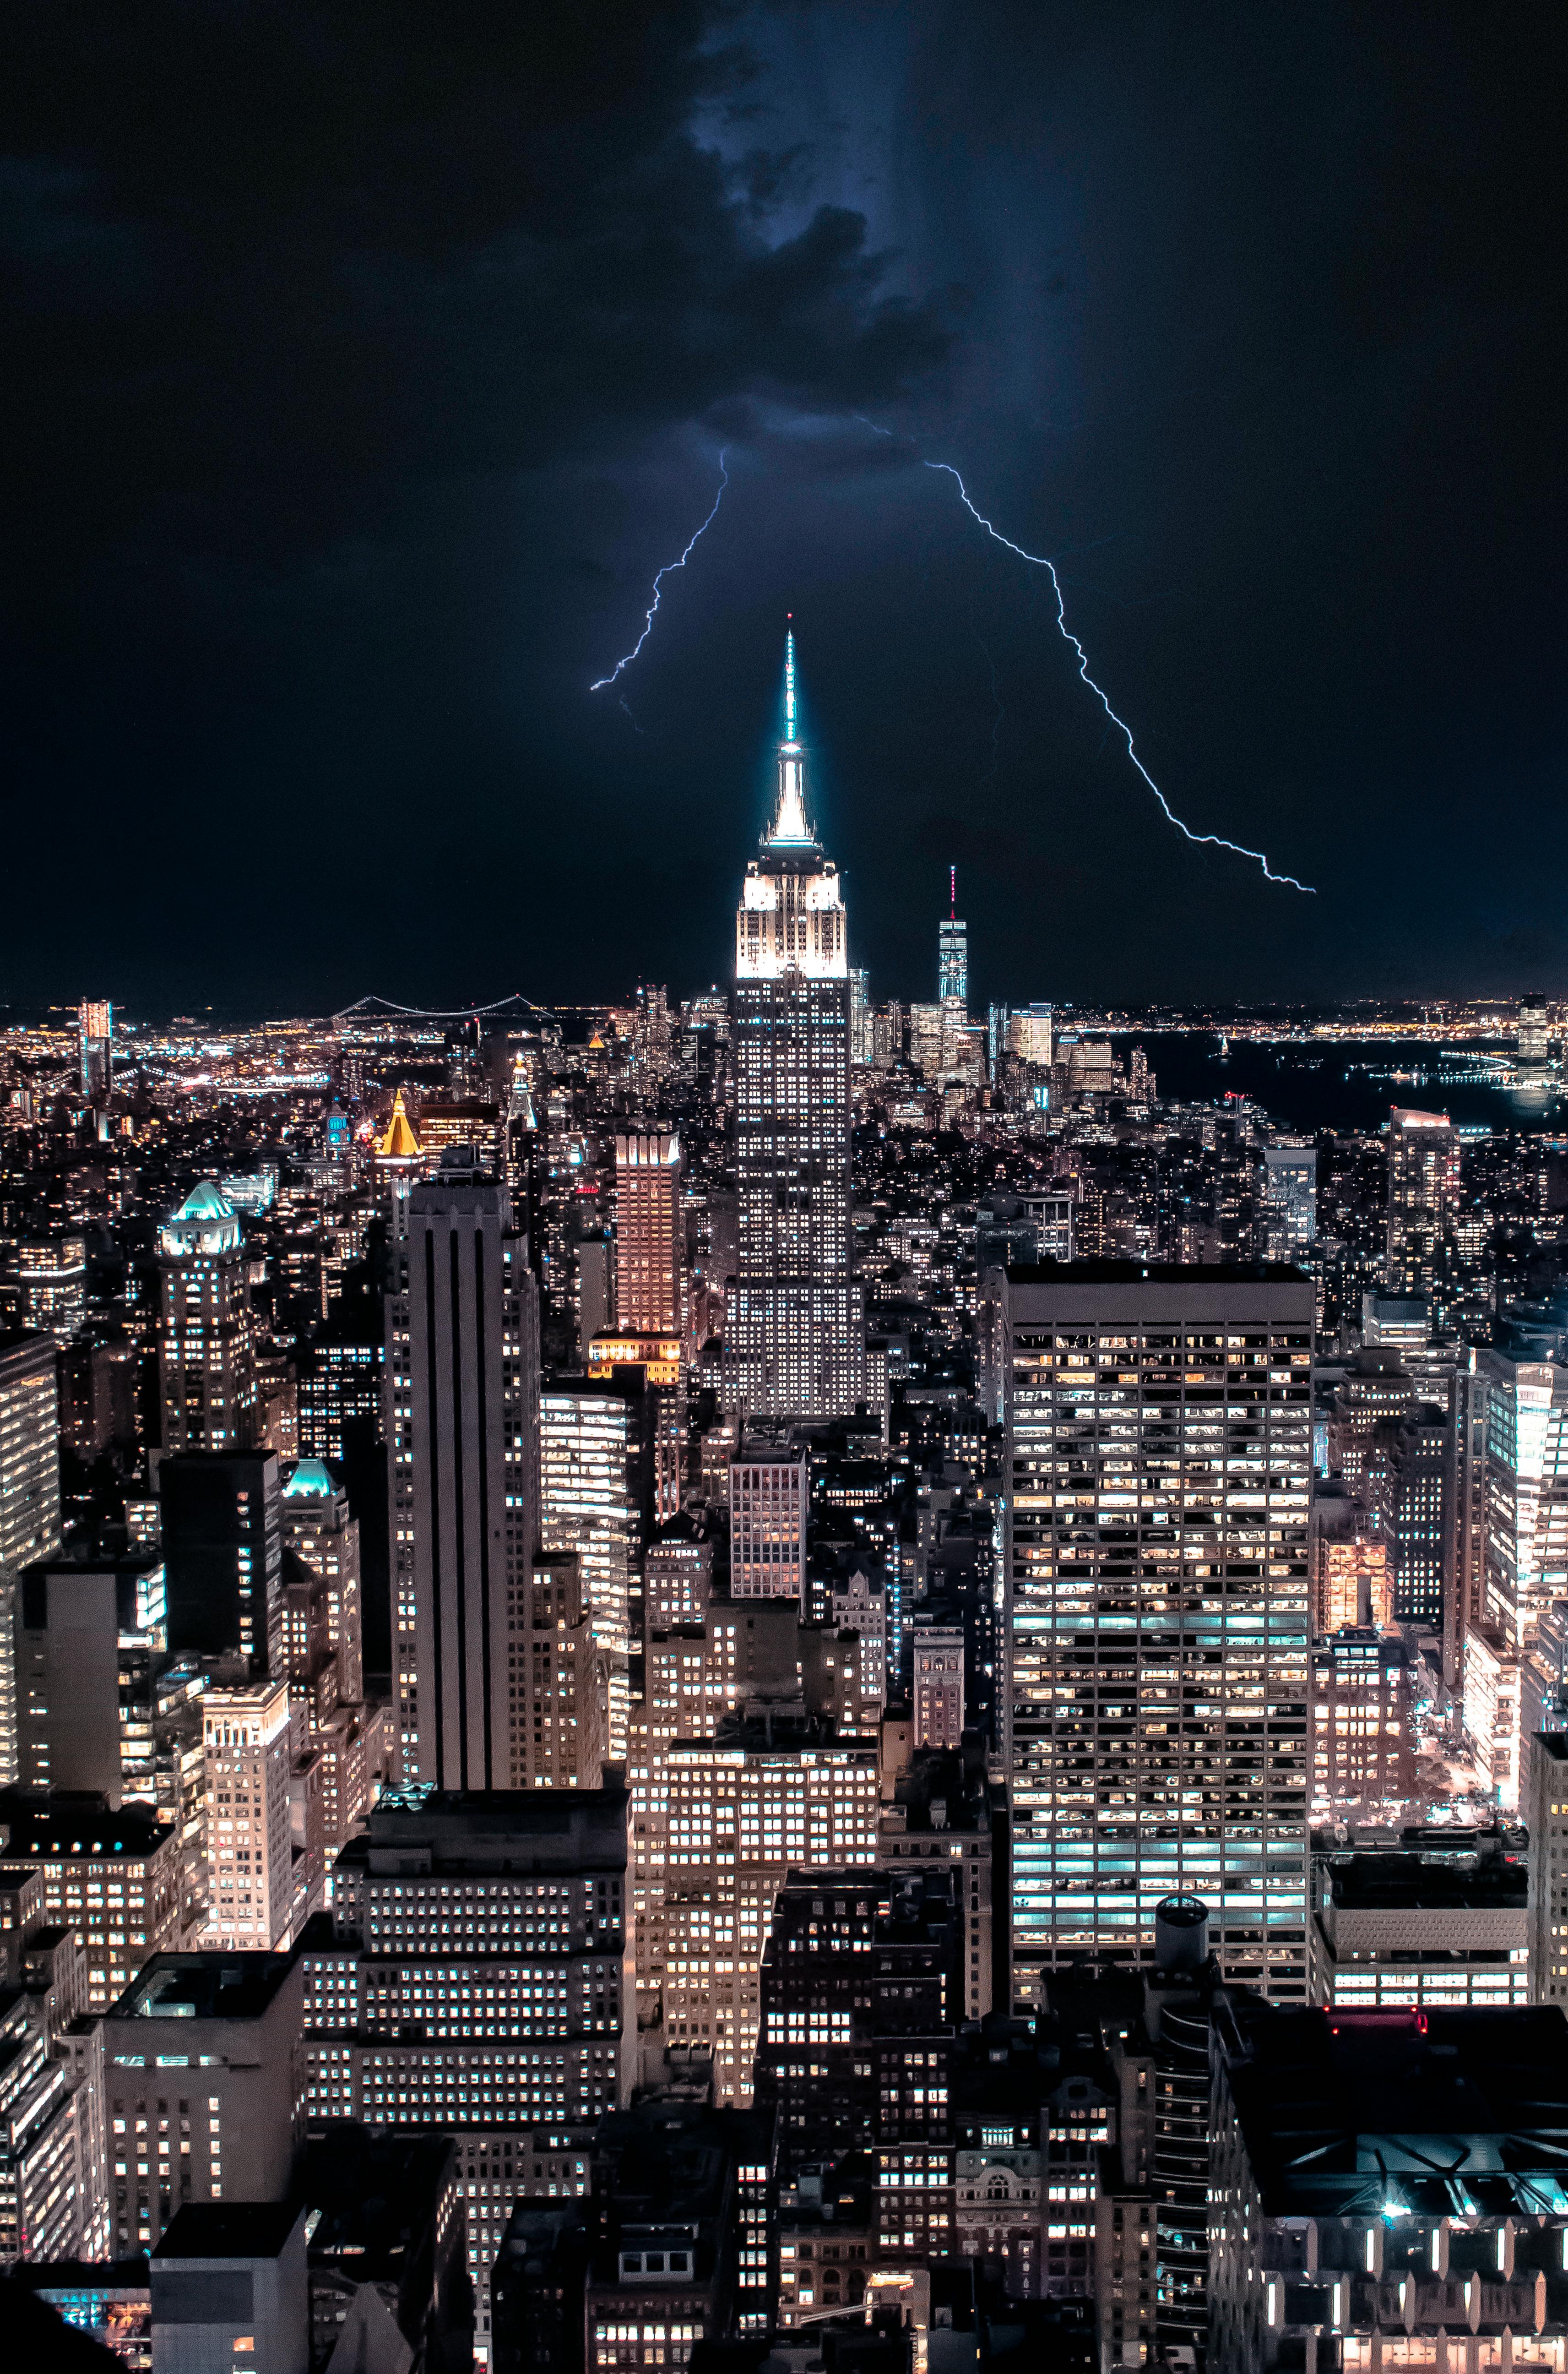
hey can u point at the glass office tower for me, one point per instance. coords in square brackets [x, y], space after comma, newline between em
[1159, 1426]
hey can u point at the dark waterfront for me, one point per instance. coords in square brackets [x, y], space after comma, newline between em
[1348, 1084]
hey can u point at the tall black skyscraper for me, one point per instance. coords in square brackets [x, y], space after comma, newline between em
[462, 1381]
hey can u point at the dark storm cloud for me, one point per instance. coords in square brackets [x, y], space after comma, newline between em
[365, 363]
[264, 261]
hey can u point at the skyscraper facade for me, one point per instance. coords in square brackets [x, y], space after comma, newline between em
[250, 1856]
[222, 1536]
[1423, 1181]
[319, 1526]
[795, 1335]
[1524, 1554]
[1534, 1040]
[476, 1979]
[769, 1510]
[861, 1046]
[206, 1353]
[953, 953]
[29, 1498]
[1290, 1200]
[649, 1234]
[1159, 1440]
[462, 1381]
[596, 1503]
[744, 1808]
[95, 1026]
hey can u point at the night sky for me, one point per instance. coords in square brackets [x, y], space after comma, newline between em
[363, 362]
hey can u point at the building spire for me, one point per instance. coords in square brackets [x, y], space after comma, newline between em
[789, 826]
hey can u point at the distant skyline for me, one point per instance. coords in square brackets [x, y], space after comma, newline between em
[367, 371]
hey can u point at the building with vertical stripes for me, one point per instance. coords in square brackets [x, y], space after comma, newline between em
[462, 1385]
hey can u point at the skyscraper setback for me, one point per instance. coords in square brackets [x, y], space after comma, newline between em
[795, 1343]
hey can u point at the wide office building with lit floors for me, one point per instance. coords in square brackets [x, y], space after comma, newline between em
[794, 1337]
[473, 1974]
[1159, 1469]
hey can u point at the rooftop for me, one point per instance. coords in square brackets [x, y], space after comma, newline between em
[374, 2195]
[206, 1223]
[204, 1986]
[464, 1829]
[81, 2274]
[1431, 2113]
[1133, 1273]
[227, 2230]
[938, 1792]
[308, 1480]
[1402, 1883]
[539, 2232]
[665, 2164]
[784, 1731]
[51, 1831]
[24, 1347]
[206, 1201]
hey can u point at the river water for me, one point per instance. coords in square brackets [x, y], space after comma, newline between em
[1346, 1085]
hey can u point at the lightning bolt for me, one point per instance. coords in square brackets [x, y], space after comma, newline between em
[658, 582]
[1038, 560]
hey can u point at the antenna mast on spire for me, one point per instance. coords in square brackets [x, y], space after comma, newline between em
[789, 826]
[952, 893]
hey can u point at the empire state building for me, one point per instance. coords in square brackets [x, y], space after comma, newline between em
[795, 1337]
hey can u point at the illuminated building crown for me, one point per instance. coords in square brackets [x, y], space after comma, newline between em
[206, 1223]
[791, 916]
[399, 1145]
